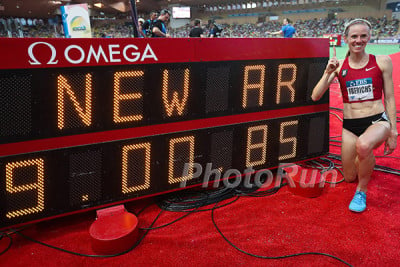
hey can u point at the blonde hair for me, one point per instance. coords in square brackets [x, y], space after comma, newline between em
[355, 22]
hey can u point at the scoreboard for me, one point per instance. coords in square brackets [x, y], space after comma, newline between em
[88, 123]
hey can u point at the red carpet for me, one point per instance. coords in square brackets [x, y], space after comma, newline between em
[275, 225]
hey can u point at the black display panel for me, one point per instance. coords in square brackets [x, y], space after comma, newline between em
[44, 103]
[98, 174]
[74, 139]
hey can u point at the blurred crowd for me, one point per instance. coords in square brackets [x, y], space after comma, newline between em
[382, 28]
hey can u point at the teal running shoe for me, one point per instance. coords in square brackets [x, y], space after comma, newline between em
[359, 202]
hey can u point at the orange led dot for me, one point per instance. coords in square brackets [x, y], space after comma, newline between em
[292, 139]
[38, 185]
[63, 88]
[171, 159]
[118, 97]
[250, 145]
[175, 103]
[259, 85]
[146, 147]
[288, 84]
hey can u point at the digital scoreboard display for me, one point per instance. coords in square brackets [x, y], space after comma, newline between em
[181, 12]
[88, 123]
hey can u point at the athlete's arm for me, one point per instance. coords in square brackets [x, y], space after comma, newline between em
[276, 33]
[326, 79]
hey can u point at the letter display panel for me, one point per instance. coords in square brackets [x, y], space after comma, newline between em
[85, 126]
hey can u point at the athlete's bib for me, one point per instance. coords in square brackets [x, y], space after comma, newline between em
[360, 89]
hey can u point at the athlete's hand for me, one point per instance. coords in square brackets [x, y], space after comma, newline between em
[391, 143]
[333, 63]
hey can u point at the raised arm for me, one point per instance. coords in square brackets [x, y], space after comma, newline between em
[276, 33]
[385, 64]
[326, 79]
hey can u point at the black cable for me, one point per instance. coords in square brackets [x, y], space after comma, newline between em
[335, 145]
[240, 192]
[2, 235]
[141, 210]
[387, 169]
[334, 156]
[209, 209]
[189, 212]
[221, 206]
[377, 167]
[88, 255]
[220, 194]
[317, 165]
[182, 203]
[170, 223]
[390, 157]
[336, 115]
[269, 257]
[263, 193]
[147, 229]
[338, 182]
[334, 108]
[188, 200]
[331, 165]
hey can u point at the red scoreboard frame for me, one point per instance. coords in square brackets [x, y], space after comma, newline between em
[88, 123]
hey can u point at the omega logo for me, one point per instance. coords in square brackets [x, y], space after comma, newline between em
[33, 58]
[111, 53]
